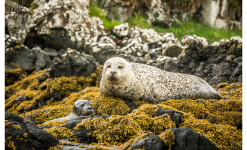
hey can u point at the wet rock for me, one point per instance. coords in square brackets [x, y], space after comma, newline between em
[72, 63]
[150, 142]
[22, 134]
[175, 116]
[186, 138]
[28, 60]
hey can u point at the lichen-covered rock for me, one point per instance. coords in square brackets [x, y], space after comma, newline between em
[20, 134]
[103, 49]
[16, 20]
[121, 30]
[67, 23]
[72, 63]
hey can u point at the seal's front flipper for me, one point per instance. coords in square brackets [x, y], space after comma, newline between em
[150, 99]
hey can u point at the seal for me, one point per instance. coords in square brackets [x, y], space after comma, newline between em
[135, 81]
[80, 108]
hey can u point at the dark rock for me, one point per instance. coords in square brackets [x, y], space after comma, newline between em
[152, 142]
[175, 116]
[186, 138]
[26, 135]
[73, 63]
[32, 39]
[28, 60]
[57, 38]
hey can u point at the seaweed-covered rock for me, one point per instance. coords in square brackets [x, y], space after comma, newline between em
[150, 142]
[73, 63]
[20, 134]
[174, 115]
[186, 138]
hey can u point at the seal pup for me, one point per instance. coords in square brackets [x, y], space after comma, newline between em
[80, 108]
[136, 81]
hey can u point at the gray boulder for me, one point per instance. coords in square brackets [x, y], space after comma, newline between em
[72, 63]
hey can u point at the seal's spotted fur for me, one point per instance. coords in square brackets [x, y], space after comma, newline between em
[138, 81]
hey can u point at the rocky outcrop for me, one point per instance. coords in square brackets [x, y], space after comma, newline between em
[20, 134]
[72, 63]
[58, 24]
[220, 14]
[150, 142]
[27, 59]
[186, 138]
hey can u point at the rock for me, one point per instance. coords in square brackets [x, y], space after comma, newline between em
[51, 52]
[121, 30]
[171, 50]
[42, 59]
[104, 49]
[21, 134]
[150, 142]
[186, 138]
[72, 63]
[16, 20]
[28, 60]
[157, 15]
[67, 23]
[175, 116]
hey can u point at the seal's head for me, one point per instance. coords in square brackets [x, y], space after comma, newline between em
[116, 69]
[82, 108]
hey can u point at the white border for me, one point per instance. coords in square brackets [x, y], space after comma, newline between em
[244, 104]
[2, 74]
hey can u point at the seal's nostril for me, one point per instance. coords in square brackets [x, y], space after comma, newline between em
[113, 72]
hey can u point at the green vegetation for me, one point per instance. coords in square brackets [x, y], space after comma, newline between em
[192, 27]
[96, 11]
[139, 21]
[179, 29]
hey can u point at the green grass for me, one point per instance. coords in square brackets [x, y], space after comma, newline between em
[96, 11]
[179, 30]
[139, 21]
[192, 27]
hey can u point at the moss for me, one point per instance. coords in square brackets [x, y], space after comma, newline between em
[224, 136]
[42, 90]
[10, 124]
[98, 148]
[61, 132]
[168, 138]
[143, 117]
[13, 75]
[114, 130]
[9, 143]
[48, 113]
[56, 147]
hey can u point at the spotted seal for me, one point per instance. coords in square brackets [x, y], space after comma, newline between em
[135, 81]
[80, 108]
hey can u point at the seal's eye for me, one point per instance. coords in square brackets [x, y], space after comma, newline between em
[120, 67]
[108, 66]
